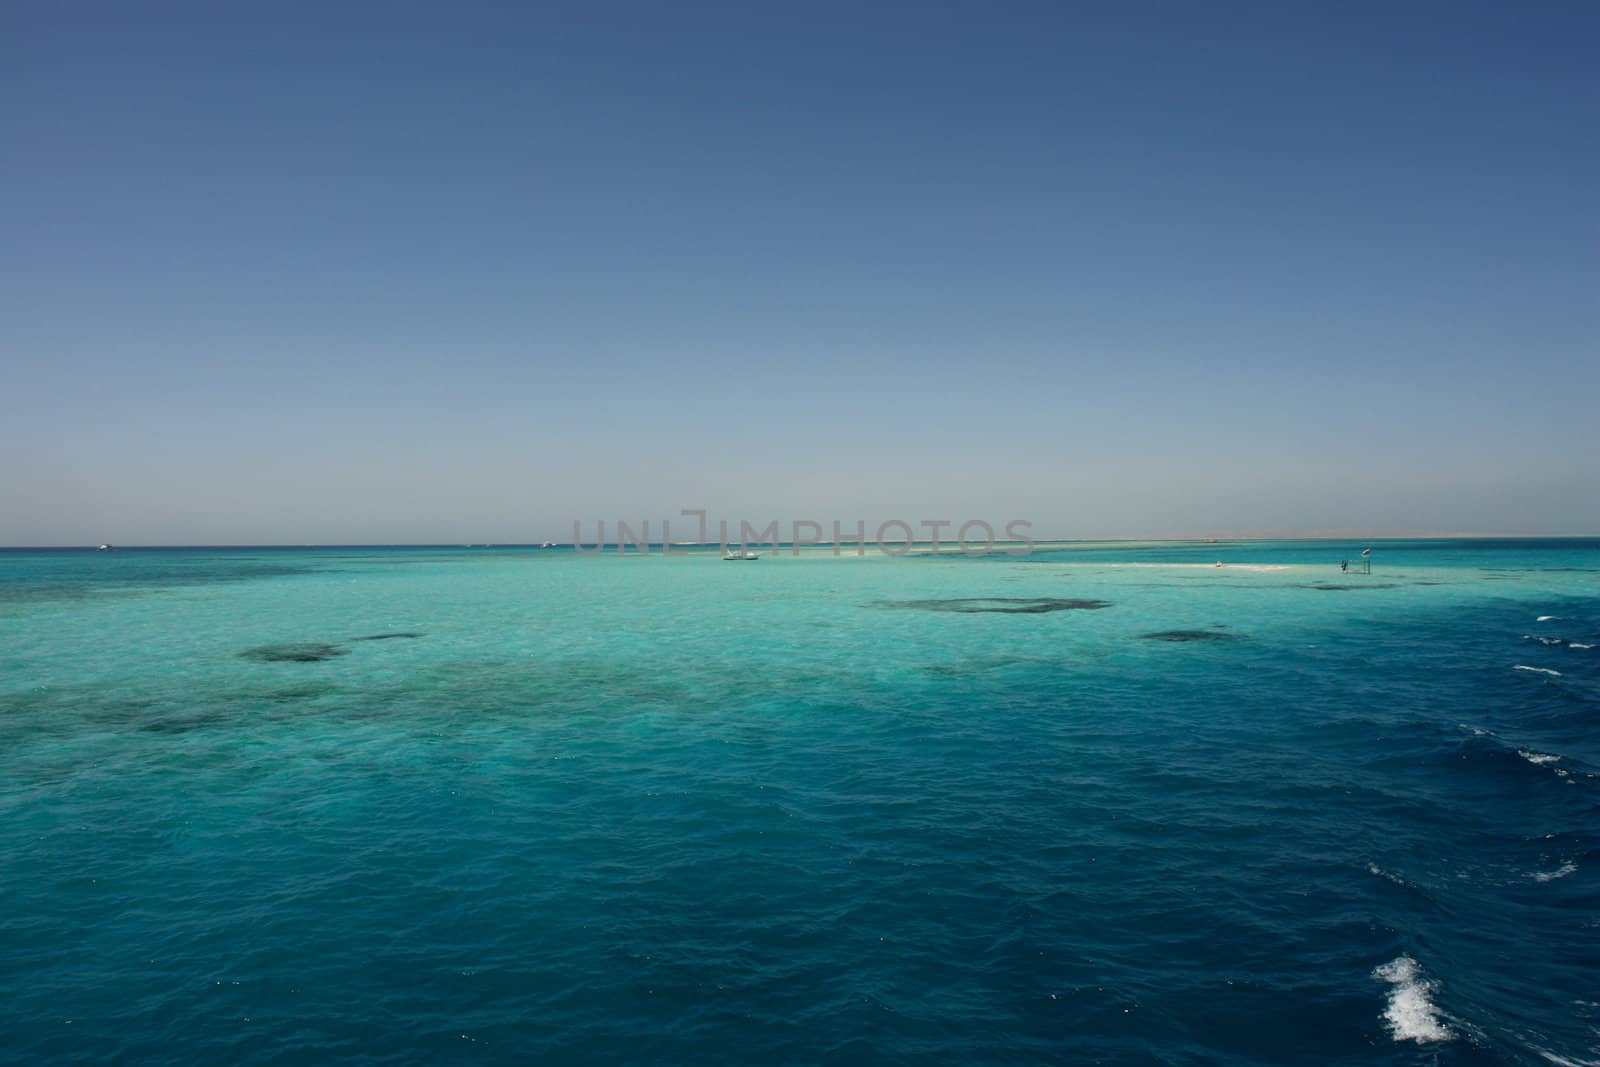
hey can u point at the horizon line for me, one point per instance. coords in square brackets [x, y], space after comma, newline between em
[1202, 539]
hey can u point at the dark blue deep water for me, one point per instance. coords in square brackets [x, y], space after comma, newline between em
[1107, 804]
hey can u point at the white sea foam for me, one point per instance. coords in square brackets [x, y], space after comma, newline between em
[1537, 757]
[1410, 1013]
[1548, 618]
[1381, 873]
[1550, 876]
[1562, 1061]
[1539, 670]
[1574, 644]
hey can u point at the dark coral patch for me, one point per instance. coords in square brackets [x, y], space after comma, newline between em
[999, 605]
[302, 652]
[970, 667]
[181, 724]
[1179, 636]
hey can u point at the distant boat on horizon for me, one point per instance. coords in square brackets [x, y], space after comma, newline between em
[740, 554]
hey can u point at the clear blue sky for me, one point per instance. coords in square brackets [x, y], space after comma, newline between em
[402, 272]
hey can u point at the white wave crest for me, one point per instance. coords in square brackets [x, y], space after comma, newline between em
[1574, 644]
[1539, 670]
[1537, 757]
[1410, 1013]
[1381, 873]
[1548, 618]
[1550, 876]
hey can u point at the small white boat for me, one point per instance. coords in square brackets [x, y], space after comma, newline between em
[740, 553]
[548, 544]
[103, 548]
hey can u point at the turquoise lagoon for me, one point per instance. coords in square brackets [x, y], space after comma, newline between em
[1103, 803]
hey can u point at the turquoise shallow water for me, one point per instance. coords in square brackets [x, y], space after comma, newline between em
[802, 810]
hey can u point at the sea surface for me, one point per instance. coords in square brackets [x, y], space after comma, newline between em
[1100, 804]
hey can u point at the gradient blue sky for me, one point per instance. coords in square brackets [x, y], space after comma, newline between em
[400, 272]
